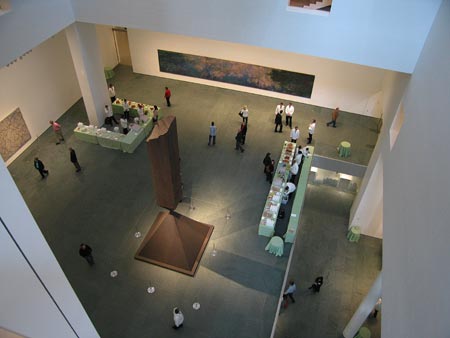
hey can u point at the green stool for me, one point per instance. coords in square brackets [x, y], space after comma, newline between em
[353, 234]
[109, 73]
[275, 246]
[344, 149]
[363, 332]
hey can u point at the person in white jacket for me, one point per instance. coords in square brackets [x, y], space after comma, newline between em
[311, 129]
[178, 318]
[295, 134]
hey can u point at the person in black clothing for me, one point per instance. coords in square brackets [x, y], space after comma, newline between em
[267, 160]
[41, 167]
[86, 252]
[268, 170]
[238, 139]
[278, 122]
[243, 131]
[74, 160]
[317, 284]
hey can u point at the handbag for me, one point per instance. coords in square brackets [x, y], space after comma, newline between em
[240, 113]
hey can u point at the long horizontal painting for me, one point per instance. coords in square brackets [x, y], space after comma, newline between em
[237, 73]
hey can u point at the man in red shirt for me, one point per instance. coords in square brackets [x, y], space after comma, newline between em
[167, 95]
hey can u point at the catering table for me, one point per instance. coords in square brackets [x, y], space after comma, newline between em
[86, 135]
[344, 149]
[275, 246]
[114, 140]
[297, 205]
[117, 107]
[353, 234]
[273, 202]
[110, 139]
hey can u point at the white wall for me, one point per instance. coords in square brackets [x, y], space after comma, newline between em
[416, 273]
[378, 33]
[29, 24]
[105, 38]
[351, 87]
[27, 307]
[367, 208]
[43, 85]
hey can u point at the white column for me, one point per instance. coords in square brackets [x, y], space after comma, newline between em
[83, 44]
[364, 309]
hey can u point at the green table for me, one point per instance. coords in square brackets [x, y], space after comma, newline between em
[86, 134]
[109, 73]
[297, 205]
[110, 140]
[117, 108]
[275, 246]
[353, 234]
[363, 332]
[131, 141]
[344, 149]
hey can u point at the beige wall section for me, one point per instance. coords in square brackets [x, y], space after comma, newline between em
[43, 85]
[105, 37]
[353, 88]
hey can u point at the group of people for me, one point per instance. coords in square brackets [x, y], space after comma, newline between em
[315, 287]
[288, 110]
[57, 130]
[125, 118]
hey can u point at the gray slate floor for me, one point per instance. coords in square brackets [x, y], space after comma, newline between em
[112, 198]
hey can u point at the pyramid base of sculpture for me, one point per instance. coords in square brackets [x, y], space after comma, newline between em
[175, 242]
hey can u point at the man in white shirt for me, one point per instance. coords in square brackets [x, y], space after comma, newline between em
[244, 114]
[289, 293]
[295, 134]
[279, 109]
[294, 171]
[112, 93]
[126, 109]
[289, 112]
[178, 318]
[212, 134]
[311, 129]
[109, 116]
[124, 125]
[289, 189]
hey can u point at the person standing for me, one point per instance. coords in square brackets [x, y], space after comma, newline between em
[126, 109]
[268, 170]
[244, 114]
[294, 171]
[295, 134]
[167, 95]
[289, 293]
[178, 318]
[238, 139]
[212, 134]
[267, 160]
[40, 167]
[112, 92]
[155, 114]
[317, 284]
[74, 160]
[289, 112]
[124, 125]
[311, 129]
[109, 116]
[334, 116]
[58, 132]
[86, 252]
[278, 122]
[243, 131]
[279, 109]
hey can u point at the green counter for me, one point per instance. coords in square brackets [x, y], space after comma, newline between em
[86, 134]
[297, 205]
[117, 108]
[110, 140]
